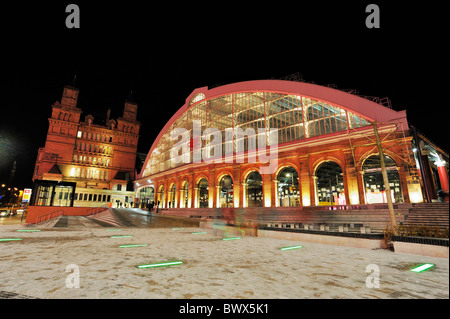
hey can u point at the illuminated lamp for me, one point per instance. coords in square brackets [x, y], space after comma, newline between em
[231, 238]
[421, 268]
[291, 247]
[199, 233]
[10, 239]
[134, 245]
[170, 263]
[121, 236]
[28, 230]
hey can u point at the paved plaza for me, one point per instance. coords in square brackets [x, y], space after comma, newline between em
[53, 262]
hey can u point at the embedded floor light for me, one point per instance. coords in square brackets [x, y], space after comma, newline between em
[28, 230]
[199, 233]
[121, 236]
[231, 238]
[291, 247]
[421, 268]
[133, 245]
[10, 239]
[177, 228]
[170, 263]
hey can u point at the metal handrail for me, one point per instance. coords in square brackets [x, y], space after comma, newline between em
[96, 210]
[48, 216]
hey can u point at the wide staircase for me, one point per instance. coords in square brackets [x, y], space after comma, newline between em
[428, 214]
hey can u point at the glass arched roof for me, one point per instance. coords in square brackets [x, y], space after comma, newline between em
[296, 117]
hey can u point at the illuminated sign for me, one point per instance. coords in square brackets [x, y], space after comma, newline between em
[26, 195]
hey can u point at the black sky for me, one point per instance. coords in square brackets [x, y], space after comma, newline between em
[164, 52]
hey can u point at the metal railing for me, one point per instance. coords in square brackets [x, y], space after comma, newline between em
[51, 215]
[95, 210]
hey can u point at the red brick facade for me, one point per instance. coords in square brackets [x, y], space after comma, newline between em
[99, 158]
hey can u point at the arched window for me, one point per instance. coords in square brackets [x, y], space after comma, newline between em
[172, 190]
[203, 195]
[330, 184]
[146, 197]
[375, 191]
[288, 190]
[160, 201]
[226, 192]
[184, 198]
[254, 190]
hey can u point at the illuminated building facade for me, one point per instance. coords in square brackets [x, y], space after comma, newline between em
[326, 152]
[86, 164]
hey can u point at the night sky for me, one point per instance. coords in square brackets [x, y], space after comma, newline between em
[162, 53]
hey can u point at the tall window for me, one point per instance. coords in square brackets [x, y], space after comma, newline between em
[375, 190]
[254, 189]
[203, 193]
[288, 190]
[226, 192]
[330, 184]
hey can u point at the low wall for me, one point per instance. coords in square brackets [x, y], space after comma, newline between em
[374, 216]
[224, 230]
[34, 212]
[324, 239]
[421, 249]
[424, 246]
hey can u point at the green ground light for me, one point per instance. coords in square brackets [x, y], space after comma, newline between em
[199, 233]
[177, 228]
[170, 263]
[114, 229]
[291, 247]
[421, 268]
[133, 245]
[231, 238]
[121, 236]
[10, 239]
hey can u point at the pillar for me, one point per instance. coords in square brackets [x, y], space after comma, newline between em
[267, 190]
[313, 190]
[211, 189]
[428, 175]
[237, 189]
[443, 176]
[352, 185]
[304, 184]
[361, 188]
[243, 202]
[195, 197]
[217, 205]
[404, 182]
[276, 200]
